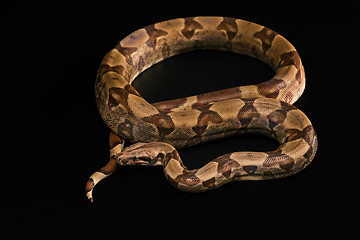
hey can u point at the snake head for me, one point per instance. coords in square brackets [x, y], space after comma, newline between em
[146, 154]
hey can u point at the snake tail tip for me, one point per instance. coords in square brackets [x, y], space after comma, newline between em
[89, 188]
[90, 197]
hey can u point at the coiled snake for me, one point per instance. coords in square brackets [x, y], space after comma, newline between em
[157, 129]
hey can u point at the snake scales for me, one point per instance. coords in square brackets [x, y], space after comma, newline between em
[157, 129]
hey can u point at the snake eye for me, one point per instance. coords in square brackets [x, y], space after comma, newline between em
[160, 156]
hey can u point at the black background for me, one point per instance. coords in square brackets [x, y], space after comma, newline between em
[57, 138]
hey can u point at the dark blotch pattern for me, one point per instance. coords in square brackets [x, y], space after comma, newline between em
[190, 27]
[247, 113]
[204, 119]
[153, 35]
[266, 37]
[229, 26]
[163, 122]
[226, 164]
[271, 88]
[126, 52]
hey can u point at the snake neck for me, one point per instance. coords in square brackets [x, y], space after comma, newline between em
[165, 155]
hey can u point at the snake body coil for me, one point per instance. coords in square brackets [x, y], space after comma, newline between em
[157, 129]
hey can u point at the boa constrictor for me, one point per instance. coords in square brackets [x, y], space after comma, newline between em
[157, 129]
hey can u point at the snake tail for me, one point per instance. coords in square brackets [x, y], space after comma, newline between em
[116, 146]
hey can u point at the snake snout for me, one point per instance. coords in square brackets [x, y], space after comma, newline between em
[137, 156]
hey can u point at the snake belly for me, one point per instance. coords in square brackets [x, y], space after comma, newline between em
[159, 129]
